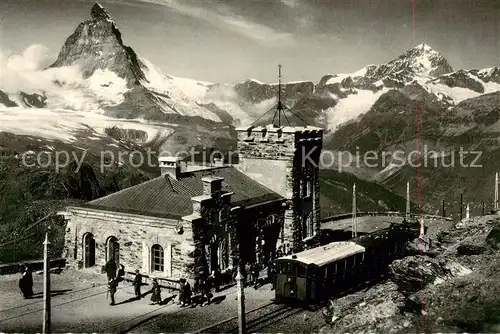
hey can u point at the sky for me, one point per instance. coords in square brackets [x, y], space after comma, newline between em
[232, 40]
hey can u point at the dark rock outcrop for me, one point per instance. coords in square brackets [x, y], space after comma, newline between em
[4, 99]
[461, 79]
[33, 100]
[256, 92]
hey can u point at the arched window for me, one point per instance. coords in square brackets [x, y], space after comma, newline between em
[157, 258]
[270, 220]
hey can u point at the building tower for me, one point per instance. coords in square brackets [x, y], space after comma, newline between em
[286, 160]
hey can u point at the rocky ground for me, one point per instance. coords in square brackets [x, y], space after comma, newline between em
[450, 282]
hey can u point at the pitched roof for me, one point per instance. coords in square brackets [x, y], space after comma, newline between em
[329, 253]
[170, 198]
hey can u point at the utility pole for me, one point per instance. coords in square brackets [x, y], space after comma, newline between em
[241, 302]
[46, 285]
[408, 201]
[461, 207]
[495, 204]
[467, 212]
[444, 211]
[354, 220]
[482, 211]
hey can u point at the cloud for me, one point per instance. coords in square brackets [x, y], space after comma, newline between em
[223, 17]
[24, 72]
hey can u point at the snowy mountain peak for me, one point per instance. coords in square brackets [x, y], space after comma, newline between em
[99, 13]
[422, 60]
[97, 44]
[424, 47]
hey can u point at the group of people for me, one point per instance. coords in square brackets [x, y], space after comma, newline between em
[201, 292]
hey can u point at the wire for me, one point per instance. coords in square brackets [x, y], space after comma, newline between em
[39, 301]
[27, 229]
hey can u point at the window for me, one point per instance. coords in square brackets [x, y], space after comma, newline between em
[308, 188]
[215, 219]
[309, 225]
[221, 216]
[301, 270]
[158, 258]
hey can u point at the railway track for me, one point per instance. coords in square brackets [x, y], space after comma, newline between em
[256, 320]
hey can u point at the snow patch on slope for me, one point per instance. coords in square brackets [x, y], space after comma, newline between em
[64, 124]
[352, 106]
[173, 97]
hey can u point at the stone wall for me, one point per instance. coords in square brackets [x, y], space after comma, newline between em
[136, 235]
[212, 222]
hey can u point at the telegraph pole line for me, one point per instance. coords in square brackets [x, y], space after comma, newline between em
[354, 220]
[495, 204]
[461, 207]
[408, 201]
[46, 285]
[241, 302]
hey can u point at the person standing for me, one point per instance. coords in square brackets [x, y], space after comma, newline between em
[197, 294]
[215, 278]
[110, 268]
[207, 290]
[26, 283]
[187, 294]
[156, 292]
[255, 275]
[137, 284]
[182, 290]
[112, 290]
[271, 273]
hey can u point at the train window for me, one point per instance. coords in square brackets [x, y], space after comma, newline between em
[301, 271]
[291, 270]
[349, 262]
[282, 268]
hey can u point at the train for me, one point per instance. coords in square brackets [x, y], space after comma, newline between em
[314, 275]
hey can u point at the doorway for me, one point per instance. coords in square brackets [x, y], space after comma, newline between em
[113, 250]
[88, 250]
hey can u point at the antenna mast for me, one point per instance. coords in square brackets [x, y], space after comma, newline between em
[279, 107]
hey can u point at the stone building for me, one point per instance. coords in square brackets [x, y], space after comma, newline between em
[192, 220]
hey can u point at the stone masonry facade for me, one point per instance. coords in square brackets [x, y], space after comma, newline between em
[135, 234]
[286, 159]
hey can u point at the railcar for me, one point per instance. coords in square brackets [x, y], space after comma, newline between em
[310, 276]
[313, 275]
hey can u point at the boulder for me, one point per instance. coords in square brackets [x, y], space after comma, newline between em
[469, 249]
[414, 273]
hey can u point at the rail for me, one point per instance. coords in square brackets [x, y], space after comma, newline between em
[379, 214]
[34, 265]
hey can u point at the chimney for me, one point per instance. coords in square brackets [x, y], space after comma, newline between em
[212, 184]
[171, 166]
[219, 162]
